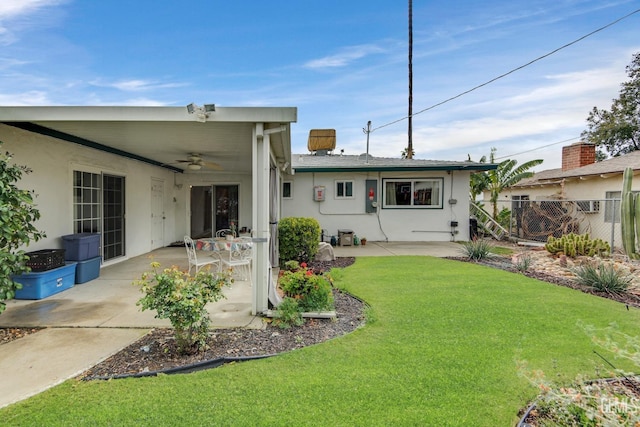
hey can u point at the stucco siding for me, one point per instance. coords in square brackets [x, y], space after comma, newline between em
[392, 224]
[53, 162]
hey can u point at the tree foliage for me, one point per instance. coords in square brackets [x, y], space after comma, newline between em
[17, 215]
[617, 131]
[507, 173]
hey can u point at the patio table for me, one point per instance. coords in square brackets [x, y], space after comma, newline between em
[221, 245]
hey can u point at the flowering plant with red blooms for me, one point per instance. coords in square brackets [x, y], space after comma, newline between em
[312, 291]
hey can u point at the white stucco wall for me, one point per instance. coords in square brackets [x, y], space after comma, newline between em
[386, 224]
[53, 162]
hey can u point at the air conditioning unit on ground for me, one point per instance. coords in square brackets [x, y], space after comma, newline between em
[589, 206]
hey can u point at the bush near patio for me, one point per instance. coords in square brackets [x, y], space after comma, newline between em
[181, 298]
[304, 291]
[298, 239]
[312, 291]
[17, 215]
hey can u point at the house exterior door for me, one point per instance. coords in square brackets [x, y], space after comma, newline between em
[225, 206]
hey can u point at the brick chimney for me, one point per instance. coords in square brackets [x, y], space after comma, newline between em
[578, 155]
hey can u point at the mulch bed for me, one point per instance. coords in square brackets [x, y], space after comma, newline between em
[157, 350]
[11, 334]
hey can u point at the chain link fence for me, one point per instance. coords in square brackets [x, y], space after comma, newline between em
[536, 220]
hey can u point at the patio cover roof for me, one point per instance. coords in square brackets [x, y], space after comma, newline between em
[162, 135]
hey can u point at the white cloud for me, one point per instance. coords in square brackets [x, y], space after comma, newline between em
[22, 14]
[7, 63]
[137, 85]
[14, 8]
[345, 57]
[30, 98]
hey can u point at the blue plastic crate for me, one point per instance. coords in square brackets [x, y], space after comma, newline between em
[46, 283]
[88, 270]
[81, 246]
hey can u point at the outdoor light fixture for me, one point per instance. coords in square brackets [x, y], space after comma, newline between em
[202, 113]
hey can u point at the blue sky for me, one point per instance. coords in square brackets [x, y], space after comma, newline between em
[341, 63]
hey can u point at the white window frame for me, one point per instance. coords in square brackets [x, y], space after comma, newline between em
[612, 200]
[519, 201]
[409, 185]
[290, 184]
[344, 183]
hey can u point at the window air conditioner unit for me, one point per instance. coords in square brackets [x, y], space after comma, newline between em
[589, 206]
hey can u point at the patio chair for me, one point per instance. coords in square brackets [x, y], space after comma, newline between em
[225, 232]
[193, 257]
[238, 258]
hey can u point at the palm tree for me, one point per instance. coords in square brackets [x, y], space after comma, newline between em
[405, 154]
[504, 176]
[479, 181]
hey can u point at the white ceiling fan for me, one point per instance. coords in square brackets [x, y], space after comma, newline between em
[195, 163]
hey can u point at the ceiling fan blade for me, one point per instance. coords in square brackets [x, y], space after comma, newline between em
[212, 165]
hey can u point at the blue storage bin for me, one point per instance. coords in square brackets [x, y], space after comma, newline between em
[88, 270]
[46, 283]
[81, 246]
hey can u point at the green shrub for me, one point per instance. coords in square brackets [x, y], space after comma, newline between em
[603, 278]
[312, 291]
[477, 249]
[291, 266]
[298, 239]
[573, 245]
[18, 213]
[181, 298]
[523, 261]
[504, 218]
[289, 314]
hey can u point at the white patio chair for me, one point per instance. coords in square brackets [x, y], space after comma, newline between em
[238, 258]
[193, 257]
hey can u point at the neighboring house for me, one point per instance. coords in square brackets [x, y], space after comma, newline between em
[382, 199]
[594, 186]
[143, 177]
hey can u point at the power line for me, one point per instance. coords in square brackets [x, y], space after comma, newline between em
[510, 72]
[537, 148]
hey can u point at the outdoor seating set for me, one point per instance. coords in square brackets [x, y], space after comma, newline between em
[223, 251]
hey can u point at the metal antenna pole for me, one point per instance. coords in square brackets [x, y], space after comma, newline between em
[367, 130]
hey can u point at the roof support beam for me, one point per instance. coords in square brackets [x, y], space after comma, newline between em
[41, 130]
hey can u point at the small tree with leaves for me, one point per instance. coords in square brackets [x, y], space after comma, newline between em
[17, 215]
[617, 131]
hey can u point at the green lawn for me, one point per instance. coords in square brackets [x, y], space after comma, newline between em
[442, 351]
